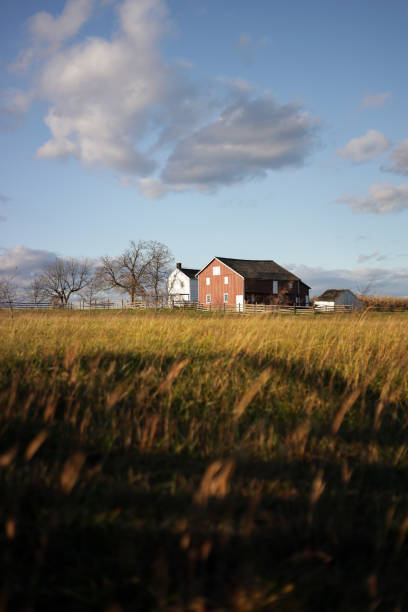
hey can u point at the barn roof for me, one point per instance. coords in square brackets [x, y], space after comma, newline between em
[261, 269]
[332, 294]
[190, 272]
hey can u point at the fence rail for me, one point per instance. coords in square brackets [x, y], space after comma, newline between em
[34, 306]
[270, 308]
[184, 305]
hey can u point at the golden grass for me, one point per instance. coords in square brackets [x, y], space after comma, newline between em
[384, 302]
[188, 461]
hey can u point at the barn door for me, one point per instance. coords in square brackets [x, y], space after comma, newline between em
[239, 301]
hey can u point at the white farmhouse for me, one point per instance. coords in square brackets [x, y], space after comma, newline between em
[337, 297]
[182, 285]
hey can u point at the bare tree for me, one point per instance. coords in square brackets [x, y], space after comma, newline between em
[35, 291]
[8, 292]
[128, 272]
[93, 289]
[160, 258]
[64, 277]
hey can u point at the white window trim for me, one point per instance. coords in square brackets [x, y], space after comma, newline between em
[207, 280]
[208, 298]
[216, 270]
[225, 280]
[225, 296]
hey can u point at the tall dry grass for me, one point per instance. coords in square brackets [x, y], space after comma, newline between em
[384, 302]
[190, 461]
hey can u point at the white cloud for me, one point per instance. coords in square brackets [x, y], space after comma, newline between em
[250, 137]
[399, 158]
[104, 94]
[379, 281]
[376, 256]
[24, 263]
[117, 103]
[48, 33]
[375, 100]
[110, 99]
[366, 147]
[13, 106]
[382, 199]
[152, 188]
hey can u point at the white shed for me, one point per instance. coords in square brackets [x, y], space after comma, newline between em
[182, 284]
[337, 297]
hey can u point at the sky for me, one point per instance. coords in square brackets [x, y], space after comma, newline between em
[263, 130]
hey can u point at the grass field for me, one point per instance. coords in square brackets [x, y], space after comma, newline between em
[189, 461]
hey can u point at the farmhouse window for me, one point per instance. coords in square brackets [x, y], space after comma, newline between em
[225, 298]
[225, 280]
[208, 298]
[207, 280]
[274, 286]
[216, 270]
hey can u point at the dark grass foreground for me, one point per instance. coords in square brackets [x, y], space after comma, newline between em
[203, 463]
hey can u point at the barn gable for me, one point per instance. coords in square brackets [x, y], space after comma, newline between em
[250, 281]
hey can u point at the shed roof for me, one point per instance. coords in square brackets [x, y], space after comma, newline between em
[332, 294]
[262, 269]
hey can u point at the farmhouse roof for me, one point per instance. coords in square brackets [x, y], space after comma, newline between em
[190, 272]
[262, 269]
[332, 294]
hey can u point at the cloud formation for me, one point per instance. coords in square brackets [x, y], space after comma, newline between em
[48, 33]
[118, 103]
[399, 158]
[366, 147]
[376, 256]
[250, 137]
[24, 263]
[105, 93]
[375, 100]
[380, 281]
[382, 199]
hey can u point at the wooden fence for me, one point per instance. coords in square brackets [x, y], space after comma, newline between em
[271, 309]
[34, 306]
[142, 305]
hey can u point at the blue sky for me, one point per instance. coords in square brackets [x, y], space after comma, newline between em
[267, 130]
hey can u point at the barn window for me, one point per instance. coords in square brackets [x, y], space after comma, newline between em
[207, 280]
[274, 286]
[208, 298]
[225, 280]
[216, 270]
[225, 298]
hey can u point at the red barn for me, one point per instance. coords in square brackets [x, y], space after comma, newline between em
[252, 281]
